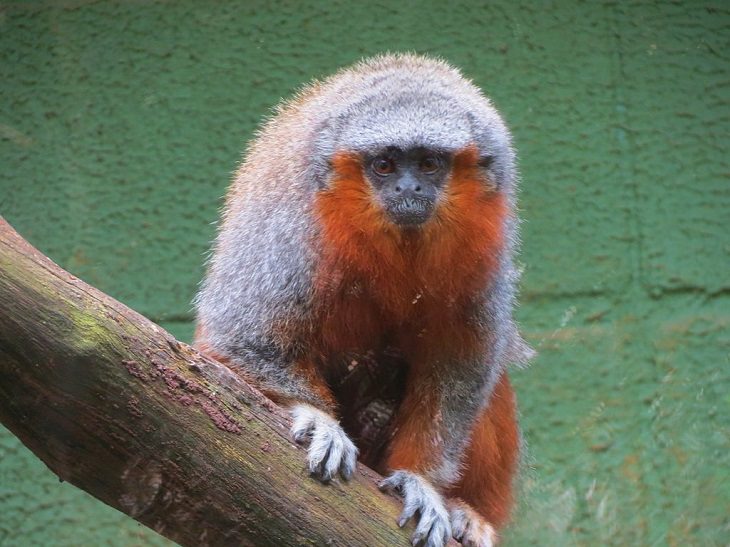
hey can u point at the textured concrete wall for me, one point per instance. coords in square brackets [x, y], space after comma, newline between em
[120, 123]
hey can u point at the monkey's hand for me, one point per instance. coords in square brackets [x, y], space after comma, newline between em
[433, 528]
[330, 449]
[469, 528]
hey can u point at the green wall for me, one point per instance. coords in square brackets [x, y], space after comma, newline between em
[120, 123]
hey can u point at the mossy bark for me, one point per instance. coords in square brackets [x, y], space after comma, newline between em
[116, 406]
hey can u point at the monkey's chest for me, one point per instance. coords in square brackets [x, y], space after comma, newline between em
[369, 388]
[362, 316]
[364, 347]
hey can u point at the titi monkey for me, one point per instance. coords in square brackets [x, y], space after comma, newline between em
[372, 224]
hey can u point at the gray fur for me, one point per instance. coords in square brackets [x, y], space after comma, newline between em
[406, 101]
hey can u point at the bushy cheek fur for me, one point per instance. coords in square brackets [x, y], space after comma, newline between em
[429, 277]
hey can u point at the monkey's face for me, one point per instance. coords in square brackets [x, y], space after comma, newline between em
[407, 183]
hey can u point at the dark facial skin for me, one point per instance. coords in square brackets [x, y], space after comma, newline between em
[408, 182]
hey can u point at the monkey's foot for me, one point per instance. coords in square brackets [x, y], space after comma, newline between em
[469, 528]
[330, 449]
[433, 528]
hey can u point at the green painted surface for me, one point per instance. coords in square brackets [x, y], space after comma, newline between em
[121, 122]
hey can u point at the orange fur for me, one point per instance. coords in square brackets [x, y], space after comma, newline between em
[492, 458]
[413, 288]
[416, 445]
[307, 369]
[376, 277]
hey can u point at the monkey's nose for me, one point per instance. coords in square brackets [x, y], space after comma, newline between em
[416, 189]
[407, 185]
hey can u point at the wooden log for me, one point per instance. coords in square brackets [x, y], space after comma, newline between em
[116, 406]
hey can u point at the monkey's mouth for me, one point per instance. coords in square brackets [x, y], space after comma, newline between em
[409, 211]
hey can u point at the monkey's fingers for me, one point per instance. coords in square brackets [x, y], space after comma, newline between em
[419, 497]
[330, 449]
[469, 528]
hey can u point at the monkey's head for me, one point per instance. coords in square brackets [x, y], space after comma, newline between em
[409, 122]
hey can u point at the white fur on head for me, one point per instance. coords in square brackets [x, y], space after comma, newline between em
[406, 101]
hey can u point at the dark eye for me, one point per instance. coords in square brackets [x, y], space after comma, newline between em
[383, 166]
[429, 165]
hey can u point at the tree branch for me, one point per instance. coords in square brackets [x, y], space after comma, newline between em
[116, 406]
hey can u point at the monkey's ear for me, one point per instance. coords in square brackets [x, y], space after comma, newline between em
[493, 140]
[485, 164]
[486, 161]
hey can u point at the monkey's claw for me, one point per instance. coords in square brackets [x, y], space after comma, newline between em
[330, 449]
[468, 528]
[419, 497]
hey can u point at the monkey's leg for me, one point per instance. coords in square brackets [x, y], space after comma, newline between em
[482, 498]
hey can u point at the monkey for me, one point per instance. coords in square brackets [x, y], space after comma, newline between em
[372, 225]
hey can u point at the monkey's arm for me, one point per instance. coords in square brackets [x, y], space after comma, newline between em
[255, 313]
[297, 383]
[436, 417]
[443, 399]
[431, 435]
